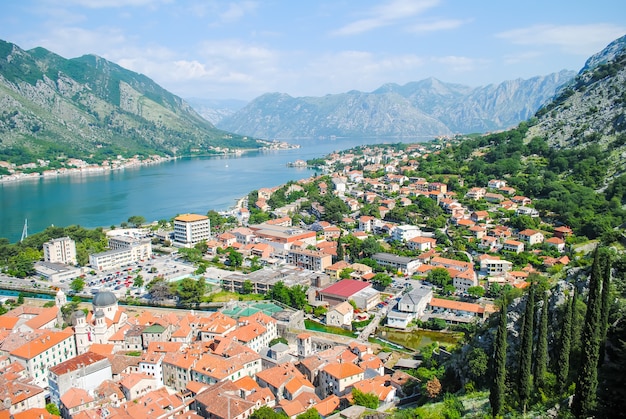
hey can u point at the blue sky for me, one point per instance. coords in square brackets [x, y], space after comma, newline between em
[242, 49]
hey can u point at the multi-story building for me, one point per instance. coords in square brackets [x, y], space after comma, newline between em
[309, 259]
[405, 232]
[190, 229]
[124, 251]
[338, 378]
[141, 248]
[48, 349]
[404, 264]
[61, 250]
[86, 371]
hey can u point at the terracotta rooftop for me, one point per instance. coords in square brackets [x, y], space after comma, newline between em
[188, 218]
[342, 370]
[79, 361]
[45, 341]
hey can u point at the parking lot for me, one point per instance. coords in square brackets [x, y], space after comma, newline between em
[121, 280]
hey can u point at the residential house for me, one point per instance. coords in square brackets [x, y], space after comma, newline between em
[513, 246]
[340, 315]
[338, 378]
[531, 237]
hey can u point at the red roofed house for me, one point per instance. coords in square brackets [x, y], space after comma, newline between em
[338, 378]
[531, 237]
[556, 242]
[75, 400]
[513, 246]
[376, 385]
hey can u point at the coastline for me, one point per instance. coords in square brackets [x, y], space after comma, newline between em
[85, 169]
[80, 167]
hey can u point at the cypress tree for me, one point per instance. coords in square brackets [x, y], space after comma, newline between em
[562, 364]
[541, 356]
[498, 386]
[340, 253]
[587, 380]
[526, 349]
[604, 316]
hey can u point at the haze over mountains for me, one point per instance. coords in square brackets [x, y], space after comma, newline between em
[428, 107]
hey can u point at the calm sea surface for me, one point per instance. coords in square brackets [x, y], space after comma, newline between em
[156, 192]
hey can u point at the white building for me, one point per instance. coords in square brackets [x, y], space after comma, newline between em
[405, 232]
[338, 378]
[48, 349]
[495, 266]
[190, 229]
[340, 315]
[415, 301]
[124, 251]
[86, 372]
[61, 250]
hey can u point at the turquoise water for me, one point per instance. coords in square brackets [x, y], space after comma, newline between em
[156, 192]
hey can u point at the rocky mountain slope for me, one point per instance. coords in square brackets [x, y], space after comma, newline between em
[591, 110]
[50, 105]
[425, 108]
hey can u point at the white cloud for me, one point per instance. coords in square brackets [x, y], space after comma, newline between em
[71, 42]
[436, 25]
[459, 64]
[581, 40]
[102, 4]
[236, 11]
[386, 14]
[521, 57]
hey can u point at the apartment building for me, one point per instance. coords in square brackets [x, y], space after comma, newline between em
[190, 229]
[48, 349]
[309, 259]
[61, 250]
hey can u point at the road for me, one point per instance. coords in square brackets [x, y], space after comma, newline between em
[380, 314]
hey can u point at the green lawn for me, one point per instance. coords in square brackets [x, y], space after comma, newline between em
[225, 296]
[318, 327]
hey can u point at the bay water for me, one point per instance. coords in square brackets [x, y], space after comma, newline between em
[161, 191]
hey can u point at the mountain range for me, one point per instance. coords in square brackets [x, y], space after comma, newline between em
[428, 107]
[53, 106]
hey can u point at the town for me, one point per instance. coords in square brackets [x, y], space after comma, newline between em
[364, 246]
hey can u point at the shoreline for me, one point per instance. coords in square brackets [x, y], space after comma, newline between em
[122, 164]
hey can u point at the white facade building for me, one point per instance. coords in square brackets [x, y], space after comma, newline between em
[190, 229]
[405, 232]
[61, 250]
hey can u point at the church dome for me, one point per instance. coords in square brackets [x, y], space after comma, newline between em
[104, 299]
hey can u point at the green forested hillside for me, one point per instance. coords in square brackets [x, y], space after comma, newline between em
[90, 108]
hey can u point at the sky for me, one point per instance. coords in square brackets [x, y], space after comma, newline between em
[242, 49]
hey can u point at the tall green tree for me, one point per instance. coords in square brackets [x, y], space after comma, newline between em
[606, 307]
[562, 363]
[498, 386]
[541, 354]
[526, 349]
[587, 380]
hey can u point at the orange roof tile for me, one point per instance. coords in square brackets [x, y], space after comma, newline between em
[41, 344]
[342, 370]
[188, 218]
[456, 305]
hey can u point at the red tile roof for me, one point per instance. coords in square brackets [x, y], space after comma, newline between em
[346, 288]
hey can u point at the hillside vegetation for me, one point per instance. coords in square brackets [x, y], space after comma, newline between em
[89, 107]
